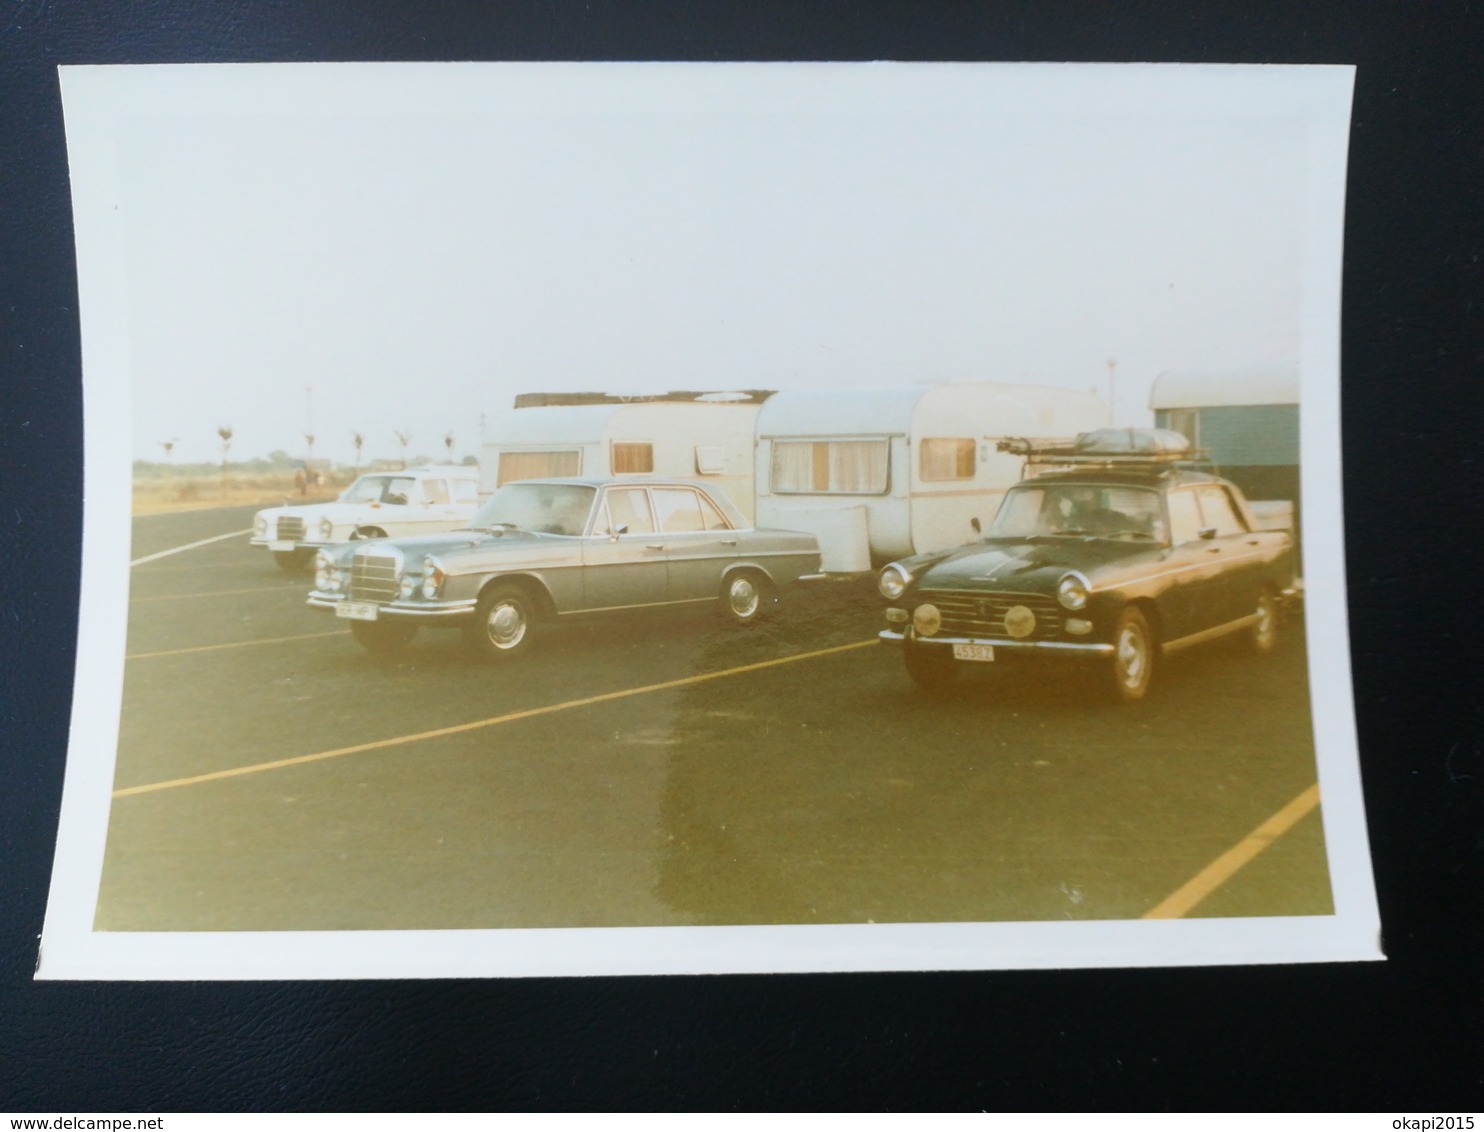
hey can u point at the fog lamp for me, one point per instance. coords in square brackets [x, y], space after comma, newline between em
[927, 620]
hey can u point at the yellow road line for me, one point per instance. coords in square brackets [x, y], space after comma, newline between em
[1219, 871]
[232, 645]
[288, 586]
[460, 728]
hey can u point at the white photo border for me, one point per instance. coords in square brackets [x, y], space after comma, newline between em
[96, 99]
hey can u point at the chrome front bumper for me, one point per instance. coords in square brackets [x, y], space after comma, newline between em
[1089, 648]
[420, 609]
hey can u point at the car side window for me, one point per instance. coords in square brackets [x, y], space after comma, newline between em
[629, 507]
[714, 519]
[679, 510]
[435, 491]
[1185, 517]
[1220, 512]
[465, 491]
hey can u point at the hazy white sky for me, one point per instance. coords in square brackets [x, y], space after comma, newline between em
[419, 261]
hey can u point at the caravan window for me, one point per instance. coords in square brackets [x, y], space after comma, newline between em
[1187, 422]
[632, 458]
[842, 467]
[538, 465]
[951, 459]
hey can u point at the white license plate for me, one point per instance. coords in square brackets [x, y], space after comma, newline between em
[973, 652]
[280, 546]
[357, 610]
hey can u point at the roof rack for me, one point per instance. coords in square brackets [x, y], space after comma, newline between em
[1145, 449]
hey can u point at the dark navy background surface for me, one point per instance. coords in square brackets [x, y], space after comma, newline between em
[1407, 1035]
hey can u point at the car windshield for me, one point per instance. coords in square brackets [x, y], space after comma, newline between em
[545, 508]
[380, 489]
[1080, 511]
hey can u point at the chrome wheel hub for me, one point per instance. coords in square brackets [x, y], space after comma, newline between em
[506, 625]
[743, 596]
[1266, 621]
[1132, 657]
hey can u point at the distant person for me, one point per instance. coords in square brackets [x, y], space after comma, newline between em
[300, 482]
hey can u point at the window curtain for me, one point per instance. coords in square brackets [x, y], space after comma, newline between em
[858, 466]
[537, 465]
[946, 460]
[793, 465]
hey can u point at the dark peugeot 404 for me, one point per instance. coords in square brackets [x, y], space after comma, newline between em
[1117, 550]
[540, 549]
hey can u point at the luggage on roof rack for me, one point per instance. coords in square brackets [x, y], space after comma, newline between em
[1112, 448]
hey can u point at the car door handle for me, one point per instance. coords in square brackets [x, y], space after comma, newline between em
[728, 542]
[650, 546]
[1213, 550]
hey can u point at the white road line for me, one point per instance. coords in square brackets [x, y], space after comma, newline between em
[189, 546]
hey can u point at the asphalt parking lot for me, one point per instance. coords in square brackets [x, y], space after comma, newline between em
[665, 769]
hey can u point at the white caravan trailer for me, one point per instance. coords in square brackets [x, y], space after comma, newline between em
[708, 441]
[878, 474]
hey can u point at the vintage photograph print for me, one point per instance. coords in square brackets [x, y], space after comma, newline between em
[624, 518]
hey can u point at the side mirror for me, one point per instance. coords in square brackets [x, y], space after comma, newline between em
[974, 522]
[621, 530]
[1207, 532]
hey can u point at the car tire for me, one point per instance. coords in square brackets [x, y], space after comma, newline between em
[383, 636]
[1264, 636]
[746, 597]
[931, 668]
[503, 622]
[1134, 650]
[294, 562]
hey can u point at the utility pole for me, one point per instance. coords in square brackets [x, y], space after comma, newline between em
[1113, 390]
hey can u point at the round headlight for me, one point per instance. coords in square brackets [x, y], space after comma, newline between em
[324, 573]
[326, 527]
[1071, 591]
[260, 525]
[893, 581]
[409, 584]
[927, 620]
[433, 576]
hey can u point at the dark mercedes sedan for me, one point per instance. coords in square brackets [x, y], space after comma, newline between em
[1118, 559]
[538, 550]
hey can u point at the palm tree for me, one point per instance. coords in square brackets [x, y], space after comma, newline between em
[448, 446]
[359, 441]
[168, 446]
[404, 439]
